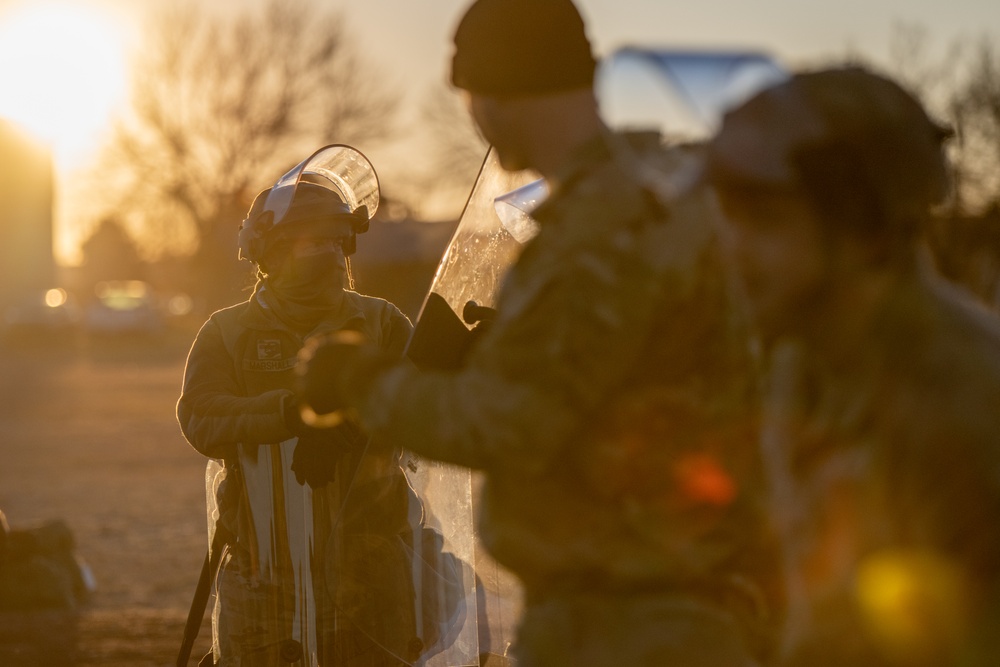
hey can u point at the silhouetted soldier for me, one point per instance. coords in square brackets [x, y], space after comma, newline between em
[320, 526]
[882, 424]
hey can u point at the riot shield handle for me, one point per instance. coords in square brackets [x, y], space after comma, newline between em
[473, 313]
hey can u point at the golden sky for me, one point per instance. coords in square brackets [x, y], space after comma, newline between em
[62, 67]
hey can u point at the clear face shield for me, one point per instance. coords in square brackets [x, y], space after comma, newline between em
[683, 95]
[338, 550]
[340, 168]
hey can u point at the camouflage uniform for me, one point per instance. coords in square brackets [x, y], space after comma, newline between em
[608, 407]
[238, 378]
[893, 472]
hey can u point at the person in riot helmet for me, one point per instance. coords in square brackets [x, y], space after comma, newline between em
[881, 427]
[318, 525]
[608, 403]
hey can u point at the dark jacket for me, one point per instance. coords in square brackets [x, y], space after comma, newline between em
[895, 468]
[609, 404]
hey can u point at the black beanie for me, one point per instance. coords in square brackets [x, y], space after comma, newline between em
[521, 47]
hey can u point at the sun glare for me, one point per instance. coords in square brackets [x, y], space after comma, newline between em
[62, 72]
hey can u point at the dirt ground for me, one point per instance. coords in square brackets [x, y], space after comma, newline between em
[88, 436]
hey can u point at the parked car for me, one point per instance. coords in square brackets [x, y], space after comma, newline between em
[42, 311]
[124, 306]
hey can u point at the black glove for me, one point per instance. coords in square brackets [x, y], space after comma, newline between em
[291, 412]
[333, 368]
[319, 451]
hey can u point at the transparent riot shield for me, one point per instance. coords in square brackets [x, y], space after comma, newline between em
[462, 295]
[358, 571]
[681, 94]
[468, 277]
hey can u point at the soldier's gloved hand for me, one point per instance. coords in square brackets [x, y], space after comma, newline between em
[291, 412]
[319, 451]
[314, 461]
[333, 368]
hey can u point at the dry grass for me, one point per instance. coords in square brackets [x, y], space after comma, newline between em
[88, 435]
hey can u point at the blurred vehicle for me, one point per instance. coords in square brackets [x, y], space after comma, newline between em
[124, 306]
[42, 311]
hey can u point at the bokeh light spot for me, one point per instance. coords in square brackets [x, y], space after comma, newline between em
[55, 297]
[702, 479]
[913, 602]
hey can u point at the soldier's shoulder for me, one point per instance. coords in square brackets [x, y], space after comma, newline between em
[658, 176]
[968, 333]
[669, 178]
[952, 367]
[379, 314]
[618, 175]
[225, 317]
[234, 310]
[602, 202]
[372, 304]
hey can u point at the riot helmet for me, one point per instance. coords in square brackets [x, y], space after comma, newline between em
[332, 193]
[861, 149]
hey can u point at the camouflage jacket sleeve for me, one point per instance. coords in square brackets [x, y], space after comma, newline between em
[212, 411]
[572, 318]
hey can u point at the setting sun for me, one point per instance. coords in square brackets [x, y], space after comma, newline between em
[62, 71]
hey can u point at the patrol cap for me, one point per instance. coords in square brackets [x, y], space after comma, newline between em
[830, 127]
[507, 48]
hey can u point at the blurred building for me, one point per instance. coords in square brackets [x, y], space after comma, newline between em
[27, 261]
[396, 260]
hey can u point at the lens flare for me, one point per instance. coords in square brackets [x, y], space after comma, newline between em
[914, 602]
[703, 480]
[62, 71]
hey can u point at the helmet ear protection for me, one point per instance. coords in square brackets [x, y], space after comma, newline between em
[361, 219]
[251, 235]
[359, 224]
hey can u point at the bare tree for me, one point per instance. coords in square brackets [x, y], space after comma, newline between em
[962, 89]
[975, 112]
[221, 106]
[910, 61]
[967, 242]
[453, 152]
[458, 146]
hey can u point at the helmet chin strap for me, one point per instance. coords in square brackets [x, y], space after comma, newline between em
[349, 272]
